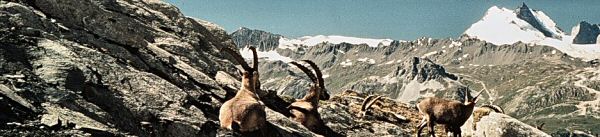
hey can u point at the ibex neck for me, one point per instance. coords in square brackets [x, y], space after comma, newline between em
[246, 84]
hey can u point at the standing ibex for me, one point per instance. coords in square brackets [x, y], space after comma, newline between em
[453, 114]
[244, 112]
[304, 110]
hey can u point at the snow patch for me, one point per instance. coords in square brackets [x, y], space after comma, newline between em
[346, 63]
[429, 54]
[366, 60]
[268, 55]
[454, 43]
[389, 62]
[333, 39]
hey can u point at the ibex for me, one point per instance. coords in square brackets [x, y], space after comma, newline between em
[367, 103]
[304, 110]
[244, 112]
[451, 113]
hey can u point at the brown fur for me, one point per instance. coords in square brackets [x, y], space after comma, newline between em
[304, 110]
[244, 112]
[451, 113]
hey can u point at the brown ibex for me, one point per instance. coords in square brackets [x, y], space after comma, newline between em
[304, 110]
[244, 112]
[451, 113]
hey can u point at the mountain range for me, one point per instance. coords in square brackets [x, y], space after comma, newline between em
[142, 68]
[519, 58]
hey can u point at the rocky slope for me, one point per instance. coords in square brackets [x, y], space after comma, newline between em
[114, 68]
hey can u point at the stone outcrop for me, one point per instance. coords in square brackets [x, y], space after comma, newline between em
[500, 125]
[262, 40]
[585, 33]
[525, 13]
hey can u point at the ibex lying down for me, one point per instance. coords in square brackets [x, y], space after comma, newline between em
[367, 103]
[244, 112]
[451, 113]
[305, 110]
[484, 110]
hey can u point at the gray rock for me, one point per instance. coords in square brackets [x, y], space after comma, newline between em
[262, 40]
[525, 13]
[103, 67]
[500, 125]
[586, 33]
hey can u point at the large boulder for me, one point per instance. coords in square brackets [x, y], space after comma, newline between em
[500, 125]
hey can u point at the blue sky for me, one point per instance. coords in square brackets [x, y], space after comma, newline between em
[395, 19]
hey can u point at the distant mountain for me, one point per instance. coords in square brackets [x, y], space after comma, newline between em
[333, 39]
[268, 43]
[262, 40]
[504, 26]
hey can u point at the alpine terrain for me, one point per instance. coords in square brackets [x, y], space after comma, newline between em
[519, 58]
[142, 68]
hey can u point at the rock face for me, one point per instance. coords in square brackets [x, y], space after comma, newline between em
[586, 33]
[110, 67]
[525, 13]
[113, 68]
[262, 40]
[500, 125]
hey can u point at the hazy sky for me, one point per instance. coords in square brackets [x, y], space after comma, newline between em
[395, 19]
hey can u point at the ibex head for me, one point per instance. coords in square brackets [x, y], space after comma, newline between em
[472, 101]
[318, 87]
[250, 76]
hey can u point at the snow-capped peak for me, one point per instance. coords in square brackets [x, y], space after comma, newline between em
[502, 26]
[333, 39]
[505, 26]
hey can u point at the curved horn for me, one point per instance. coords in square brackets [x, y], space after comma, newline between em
[317, 72]
[255, 58]
[305, 70]
[475, 98]
[238, 58]
[369, 101]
